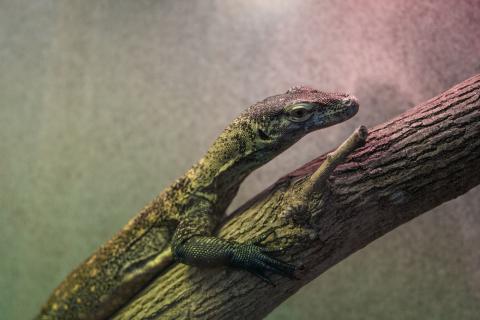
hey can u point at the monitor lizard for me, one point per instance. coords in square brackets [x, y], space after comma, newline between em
[178, 224]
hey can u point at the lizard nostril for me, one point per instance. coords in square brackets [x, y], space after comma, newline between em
[350, 101]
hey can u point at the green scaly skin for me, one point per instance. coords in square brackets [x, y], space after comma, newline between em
[179, 222]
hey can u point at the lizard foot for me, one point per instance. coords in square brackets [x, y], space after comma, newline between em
[256, 259]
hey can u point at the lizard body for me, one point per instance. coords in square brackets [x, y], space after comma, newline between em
[178, 224]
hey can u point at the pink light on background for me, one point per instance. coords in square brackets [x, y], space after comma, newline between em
[104, 104]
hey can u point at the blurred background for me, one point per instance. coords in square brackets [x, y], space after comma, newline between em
[105, 103]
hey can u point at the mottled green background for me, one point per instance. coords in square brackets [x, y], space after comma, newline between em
[104, 103]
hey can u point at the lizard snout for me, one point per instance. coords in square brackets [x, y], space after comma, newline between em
[350, 101]
[351, 105]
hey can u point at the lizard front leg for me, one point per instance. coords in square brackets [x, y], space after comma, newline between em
[193, 244]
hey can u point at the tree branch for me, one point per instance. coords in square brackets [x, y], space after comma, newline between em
[409, 165]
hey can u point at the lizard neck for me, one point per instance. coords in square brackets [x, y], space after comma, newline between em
[228, 161]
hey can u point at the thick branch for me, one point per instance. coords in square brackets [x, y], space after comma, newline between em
[409, 165]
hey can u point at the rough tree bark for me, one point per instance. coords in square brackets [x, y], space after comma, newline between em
[409, 165]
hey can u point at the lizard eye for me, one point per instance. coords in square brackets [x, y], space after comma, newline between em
[299, 112]
[262, 134]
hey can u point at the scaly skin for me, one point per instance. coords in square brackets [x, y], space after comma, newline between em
[179, 222]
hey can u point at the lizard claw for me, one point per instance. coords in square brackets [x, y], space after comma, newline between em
[262, 276]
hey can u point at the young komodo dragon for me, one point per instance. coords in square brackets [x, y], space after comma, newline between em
[179, 222]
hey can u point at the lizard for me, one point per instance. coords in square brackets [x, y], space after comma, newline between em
[178, 225]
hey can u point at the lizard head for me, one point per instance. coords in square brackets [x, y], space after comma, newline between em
[279, 121]
[269, 127]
